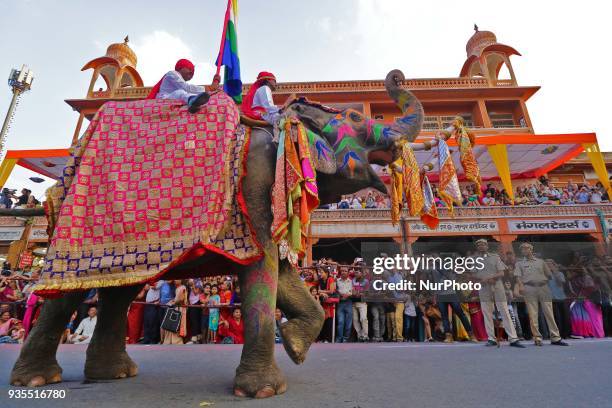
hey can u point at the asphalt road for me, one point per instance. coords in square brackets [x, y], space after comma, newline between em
[346, 375]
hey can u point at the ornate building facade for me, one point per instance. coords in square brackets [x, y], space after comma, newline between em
[486, 93]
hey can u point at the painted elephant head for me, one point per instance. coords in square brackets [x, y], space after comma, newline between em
[345, 143]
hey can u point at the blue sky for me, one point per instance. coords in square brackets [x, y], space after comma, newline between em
[565, 50]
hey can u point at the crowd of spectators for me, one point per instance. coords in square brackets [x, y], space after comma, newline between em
[210, 307]
[581, 296]
[10, 199]
[541, 192]
[210, 311]
[370, 199]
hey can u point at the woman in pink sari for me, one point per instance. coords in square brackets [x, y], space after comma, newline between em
[585, 316]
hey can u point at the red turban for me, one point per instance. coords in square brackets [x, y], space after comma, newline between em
[247, 102]
[265, 75]
[182, 63]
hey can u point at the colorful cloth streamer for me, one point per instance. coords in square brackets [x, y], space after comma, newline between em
[406, 183]
[449, 189]
[466, 141]
[294, 193]
[429, 213]
[412, 181]
[397, 177]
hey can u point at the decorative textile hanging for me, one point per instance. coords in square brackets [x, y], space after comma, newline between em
[294, 193]
[429, 213]
[449, 190]
[465, 141]
[406, 183]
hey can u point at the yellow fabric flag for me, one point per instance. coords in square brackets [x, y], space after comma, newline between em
[599, 165]
[6, 169]
[499, 155]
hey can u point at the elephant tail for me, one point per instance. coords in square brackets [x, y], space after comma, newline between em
[409, 125]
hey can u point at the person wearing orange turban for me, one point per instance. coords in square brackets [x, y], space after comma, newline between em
[258, 103]
[174, 85]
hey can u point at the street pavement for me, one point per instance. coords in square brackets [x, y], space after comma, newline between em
[385, 375]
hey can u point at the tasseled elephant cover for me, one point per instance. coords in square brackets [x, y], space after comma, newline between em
[148, 188]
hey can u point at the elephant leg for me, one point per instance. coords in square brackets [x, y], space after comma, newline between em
[305, 315]
[258, 375]
[37, 364]
[106, 355]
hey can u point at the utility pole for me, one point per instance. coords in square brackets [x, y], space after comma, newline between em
[20, 82]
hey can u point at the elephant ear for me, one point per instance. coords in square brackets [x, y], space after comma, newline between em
[321, 153]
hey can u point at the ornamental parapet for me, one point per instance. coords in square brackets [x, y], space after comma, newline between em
[333, 86]
[523, 211]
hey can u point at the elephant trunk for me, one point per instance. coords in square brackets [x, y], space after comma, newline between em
[409, 125]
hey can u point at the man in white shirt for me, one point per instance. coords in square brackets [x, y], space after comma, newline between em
[84, 333]
[344, 311]
[596, 197]
[488, 200]
[258, 104]
[174, 85]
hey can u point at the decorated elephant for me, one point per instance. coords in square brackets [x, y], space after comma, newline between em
[342, 146]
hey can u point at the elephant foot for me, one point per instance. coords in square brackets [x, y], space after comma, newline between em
[110, 366]
[259, 383]
[35, 374]
[297, 340]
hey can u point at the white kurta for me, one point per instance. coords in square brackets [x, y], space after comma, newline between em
[173, 86]
[263, 98]
[86, 328]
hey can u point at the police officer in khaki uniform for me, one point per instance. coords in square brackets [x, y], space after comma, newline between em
[533, 275]
[492, 294]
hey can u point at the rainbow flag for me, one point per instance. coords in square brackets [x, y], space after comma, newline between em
[228, 54]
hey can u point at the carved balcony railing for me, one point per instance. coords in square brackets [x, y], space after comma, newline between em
[523, 211]
[333, 86]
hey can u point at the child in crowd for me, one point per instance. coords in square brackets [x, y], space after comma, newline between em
[204, 298]
[314, 292]
[213, 319]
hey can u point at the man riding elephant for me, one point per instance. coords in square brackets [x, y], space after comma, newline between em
[258, 103]
[173, 85]
[341, 145]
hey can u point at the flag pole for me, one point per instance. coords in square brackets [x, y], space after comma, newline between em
[220, 56]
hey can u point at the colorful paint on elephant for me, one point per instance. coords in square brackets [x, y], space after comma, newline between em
[260, 287]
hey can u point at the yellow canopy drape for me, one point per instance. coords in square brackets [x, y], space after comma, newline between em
[598, 163]
[499, 155]
[5, 170]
